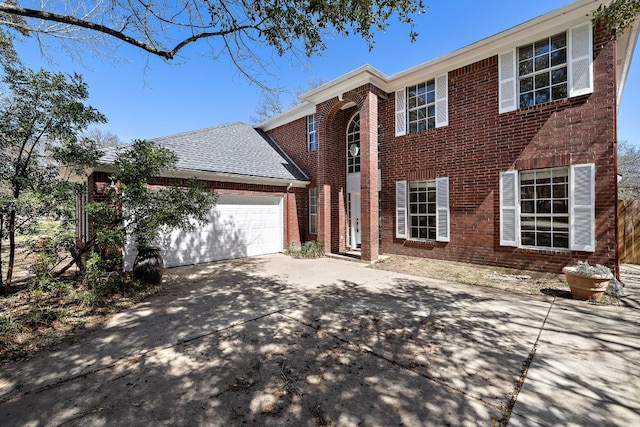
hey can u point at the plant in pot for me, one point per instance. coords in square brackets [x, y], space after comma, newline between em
[588, 281]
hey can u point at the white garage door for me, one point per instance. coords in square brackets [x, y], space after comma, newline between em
[238, 226]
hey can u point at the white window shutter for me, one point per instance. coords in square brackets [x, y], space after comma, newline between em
[507, 93]
[509, 208]
[442, 209]
[582, 205]
[442, 101]
[401, 112]
[401, 209]
[580, 60]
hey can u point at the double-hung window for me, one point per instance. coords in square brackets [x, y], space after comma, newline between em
[548, 208]
[422, 106]
[542, 71]
[552, 68]
[312, 142]
[422, 210]
[544, 208]
[313, 211]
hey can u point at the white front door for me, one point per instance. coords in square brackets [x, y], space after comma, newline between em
[354, 220]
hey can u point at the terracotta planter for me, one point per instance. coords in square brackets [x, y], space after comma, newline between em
[586, 287]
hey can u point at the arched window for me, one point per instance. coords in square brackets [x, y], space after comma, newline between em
[353, 145]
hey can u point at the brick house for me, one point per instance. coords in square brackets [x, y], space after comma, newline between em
[501, 153]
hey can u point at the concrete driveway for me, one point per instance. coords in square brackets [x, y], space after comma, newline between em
[275, 341]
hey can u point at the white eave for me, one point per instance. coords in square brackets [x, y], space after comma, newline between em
[222, 177]
[527, 32]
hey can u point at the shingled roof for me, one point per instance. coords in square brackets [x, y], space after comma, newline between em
[235, 149]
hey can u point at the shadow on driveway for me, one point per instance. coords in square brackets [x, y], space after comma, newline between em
[280, 341]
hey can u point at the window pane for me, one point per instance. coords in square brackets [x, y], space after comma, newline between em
[526, 84]
[542, 47]
[526, 100]
[527, 207]
[528, 223]
[431, 122]
[526, 67]
[542, 62]
[559, 41]
[525, 52]
[559, 92]
[561, 241]
[561, 224]
[543, 191]
[543, 206]
[559, 191]
[543, 224]
[560, 206]
[542, 96]
[558, 57]
[542, 80]
[528, 239]
[559, 75]
[544, 240]
[431, 97]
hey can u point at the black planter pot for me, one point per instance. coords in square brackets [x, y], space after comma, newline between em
[148, 265]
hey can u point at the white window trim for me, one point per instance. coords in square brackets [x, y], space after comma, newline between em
[312, 117]
[313, 217]
[508, 93]
[581, 210]
[442, 211]
[441, 105]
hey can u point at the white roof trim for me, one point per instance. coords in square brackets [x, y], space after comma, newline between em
[223, 177]
[555, 21]
[297, 112]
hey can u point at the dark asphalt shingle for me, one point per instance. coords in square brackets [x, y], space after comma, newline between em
[235, 148]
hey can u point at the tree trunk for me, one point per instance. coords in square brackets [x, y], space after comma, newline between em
[1, 231]
[12, 251]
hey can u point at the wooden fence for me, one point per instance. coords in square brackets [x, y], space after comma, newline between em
[629, 231]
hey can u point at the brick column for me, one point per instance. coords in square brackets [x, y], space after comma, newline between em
[369, 177]
[324, 217]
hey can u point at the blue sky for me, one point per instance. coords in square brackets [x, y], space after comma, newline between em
[145, 97]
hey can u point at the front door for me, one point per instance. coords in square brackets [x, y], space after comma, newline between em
[354, 220]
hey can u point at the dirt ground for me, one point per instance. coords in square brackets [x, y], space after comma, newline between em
[519, 281]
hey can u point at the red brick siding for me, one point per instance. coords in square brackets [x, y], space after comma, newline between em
[477, 144]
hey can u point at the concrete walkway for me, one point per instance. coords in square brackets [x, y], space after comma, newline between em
[279, 341]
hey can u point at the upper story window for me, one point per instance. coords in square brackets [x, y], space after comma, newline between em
[542, 71]
[550, 69]
[312, 143]
[422, 106]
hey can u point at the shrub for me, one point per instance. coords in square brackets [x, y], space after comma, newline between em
[310, 249]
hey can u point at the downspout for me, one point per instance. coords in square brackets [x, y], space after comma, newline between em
[287, 215]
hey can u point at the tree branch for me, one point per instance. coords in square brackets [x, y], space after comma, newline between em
[66, 19]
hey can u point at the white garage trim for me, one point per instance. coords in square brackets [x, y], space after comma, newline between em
[239, 226]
